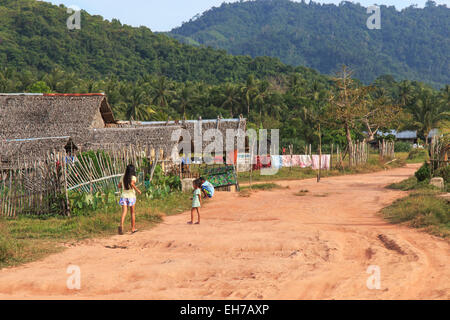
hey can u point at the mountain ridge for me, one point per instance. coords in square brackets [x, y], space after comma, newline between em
[411, 44]
[34, 37]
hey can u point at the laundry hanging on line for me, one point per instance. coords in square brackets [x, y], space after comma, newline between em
[325, 161]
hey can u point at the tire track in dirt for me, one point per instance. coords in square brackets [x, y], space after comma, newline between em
[273, 245]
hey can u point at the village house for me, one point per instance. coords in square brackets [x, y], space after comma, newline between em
[32, 125]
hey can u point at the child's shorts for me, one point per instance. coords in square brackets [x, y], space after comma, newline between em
[129, 202]
[208, 193]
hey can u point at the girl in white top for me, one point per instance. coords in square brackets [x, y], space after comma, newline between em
[128, 197]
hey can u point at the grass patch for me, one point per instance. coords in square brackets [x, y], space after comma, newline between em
[246, 191]
[417, 156]
[28, 238]
[411, 184]
[421, 209]
[264, 186]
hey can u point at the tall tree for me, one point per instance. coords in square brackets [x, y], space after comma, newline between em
[428, 112]
[230, 97]
[352, 108]
[136, 105]
[161, 91]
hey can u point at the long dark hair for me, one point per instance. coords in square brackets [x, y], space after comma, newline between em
[129, 173]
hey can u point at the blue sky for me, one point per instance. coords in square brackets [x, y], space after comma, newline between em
[163, 15]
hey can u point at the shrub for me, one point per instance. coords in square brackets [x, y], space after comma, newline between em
[423, 173]
[417, 154]
[443, 172]
[402, 146]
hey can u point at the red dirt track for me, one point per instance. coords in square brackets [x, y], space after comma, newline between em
[273, 245]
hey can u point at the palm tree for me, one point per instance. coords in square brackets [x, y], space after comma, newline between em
[7, 83]
[248, 91]
[230, 96]
[184, 98]
[405, 92]
[54, 78]
[136, 105]
[445, 95]
[160, 91]
[428, 113]
[260, 96]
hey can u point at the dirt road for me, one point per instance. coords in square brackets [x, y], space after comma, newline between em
[273, 245]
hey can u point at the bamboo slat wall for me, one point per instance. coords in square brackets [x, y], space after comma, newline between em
[42, 186]
[387, 149]
[360, 153]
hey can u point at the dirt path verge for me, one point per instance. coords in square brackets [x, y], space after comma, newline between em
[272, 245]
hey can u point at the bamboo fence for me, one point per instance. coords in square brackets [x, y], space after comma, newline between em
[387, 149]
[42, 186]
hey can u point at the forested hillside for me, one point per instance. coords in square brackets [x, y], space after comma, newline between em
[412, 43]
[149, 76]
[34, 36]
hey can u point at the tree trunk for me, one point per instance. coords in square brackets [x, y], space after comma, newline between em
[350, 145]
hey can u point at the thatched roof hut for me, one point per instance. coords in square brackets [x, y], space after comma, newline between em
[156, 138]
[35, 116]
[220, 124]
[36, 124]
[40, 123]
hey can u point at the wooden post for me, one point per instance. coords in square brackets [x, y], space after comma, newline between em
[291, 151]
[331, 156]
[320, 155]
[65, 188]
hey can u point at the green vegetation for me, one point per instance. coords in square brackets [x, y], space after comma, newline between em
[34, 39]
[247, 190]
[423, 208]
[263, 186]
[417, 155]
[149, 76]
[444, 173]
[403, 146]
[411, 44]
[423, 173]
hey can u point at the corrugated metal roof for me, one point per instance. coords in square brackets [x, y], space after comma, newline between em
[408, 134]
[187, 121]
[433, 133]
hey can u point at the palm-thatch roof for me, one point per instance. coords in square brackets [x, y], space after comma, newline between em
[156, 138]
[36, 124]
[204, 125]
[35, 116]
[39, 123]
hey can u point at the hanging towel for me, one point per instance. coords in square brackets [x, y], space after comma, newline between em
[295, 161]
[286, 161]
[315, 162]
[277, 162]
[325, 162]
[305, 161]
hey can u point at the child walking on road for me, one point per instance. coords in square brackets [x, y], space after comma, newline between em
[196, 202]
[128, 197]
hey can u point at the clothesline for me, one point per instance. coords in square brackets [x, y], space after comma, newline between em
[302, 161]
[286, 161]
